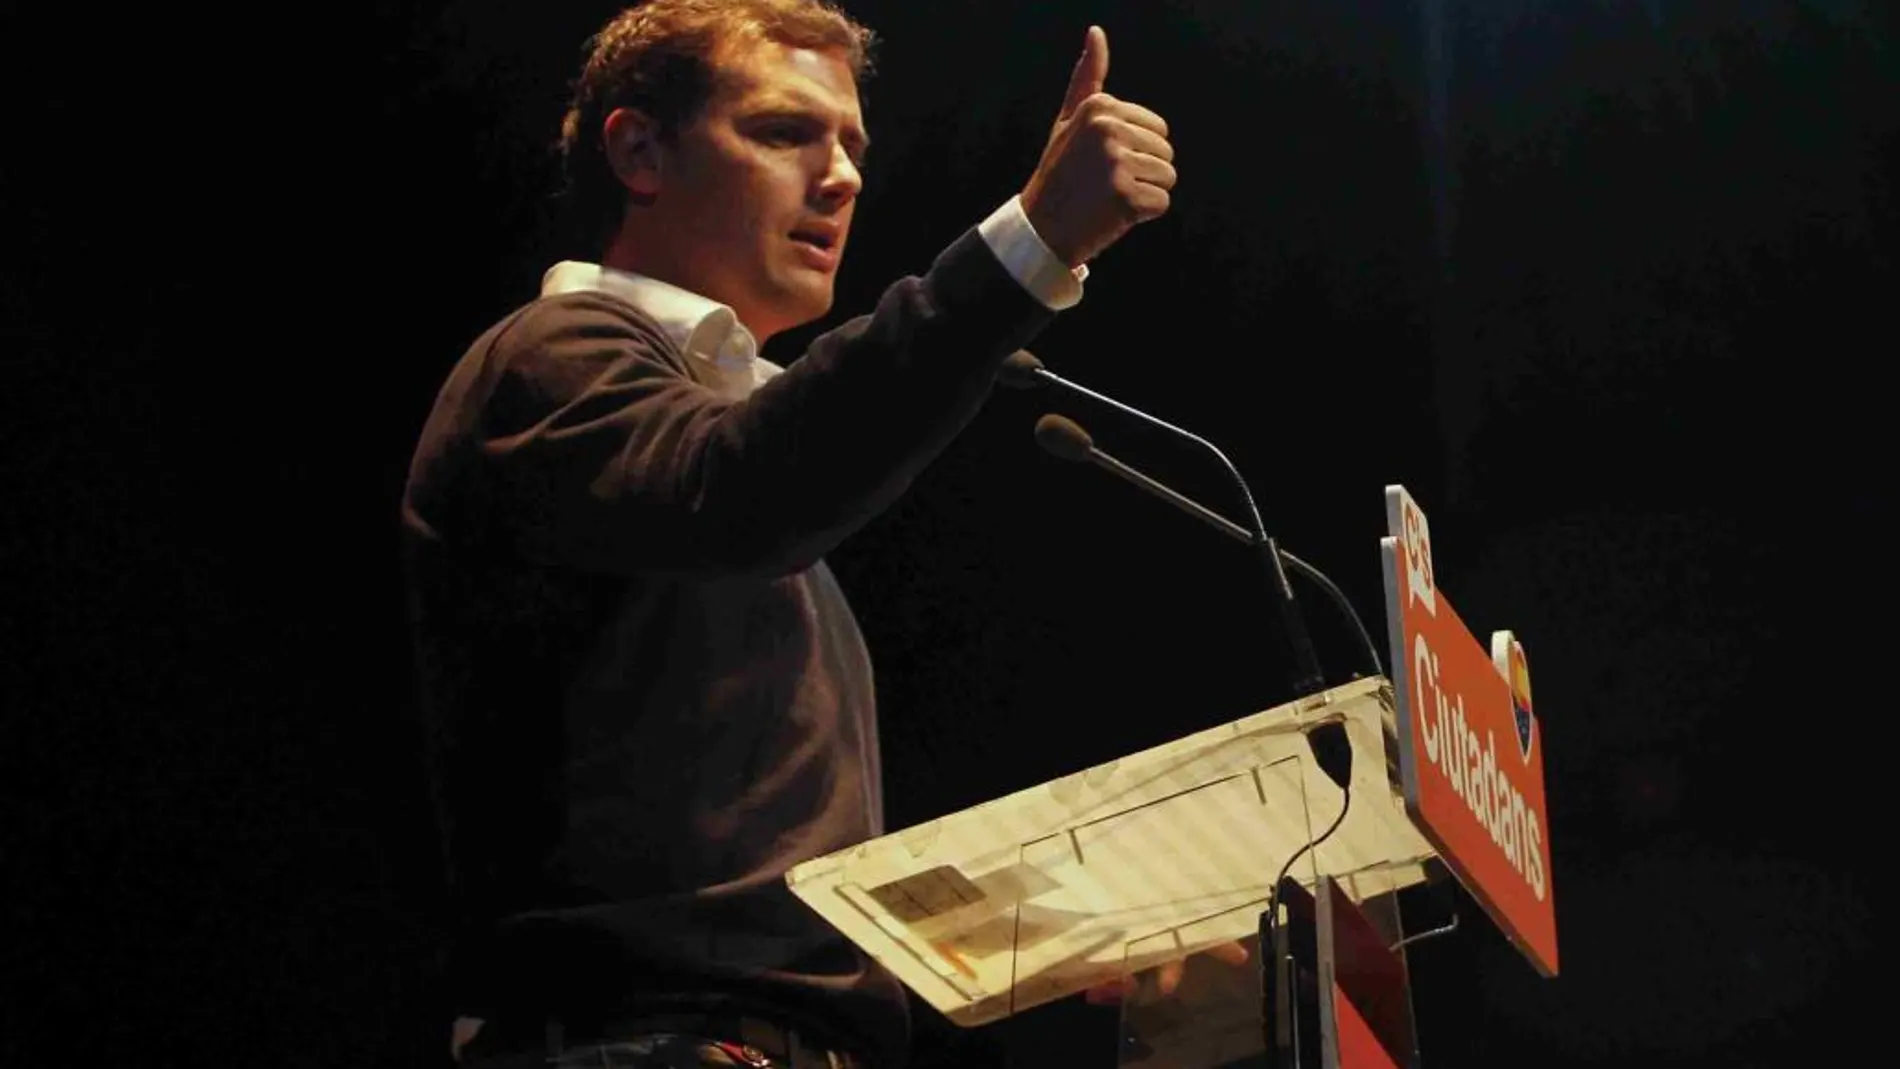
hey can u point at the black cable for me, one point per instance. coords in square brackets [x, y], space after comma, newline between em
[1273, 892]
[1270, 951]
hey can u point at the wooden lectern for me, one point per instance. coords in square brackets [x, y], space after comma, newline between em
[1162, 855]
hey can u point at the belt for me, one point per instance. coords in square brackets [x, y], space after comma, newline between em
[752, 1040]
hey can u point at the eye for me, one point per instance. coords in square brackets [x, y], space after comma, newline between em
[783, 133]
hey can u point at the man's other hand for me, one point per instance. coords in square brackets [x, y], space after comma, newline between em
[1108, 165]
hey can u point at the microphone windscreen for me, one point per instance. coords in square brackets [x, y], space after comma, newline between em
[1019, 370]
[1064, 437]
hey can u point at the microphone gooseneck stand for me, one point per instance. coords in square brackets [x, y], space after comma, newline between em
[1332, 750]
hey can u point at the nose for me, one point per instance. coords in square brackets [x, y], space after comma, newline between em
[841, 182]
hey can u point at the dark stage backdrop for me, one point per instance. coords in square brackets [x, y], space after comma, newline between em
[1608, 285]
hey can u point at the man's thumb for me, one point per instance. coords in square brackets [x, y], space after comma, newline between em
[1090, 74]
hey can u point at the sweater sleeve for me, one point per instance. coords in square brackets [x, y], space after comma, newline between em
[598, 451]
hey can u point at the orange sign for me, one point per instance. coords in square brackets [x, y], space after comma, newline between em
[1469, 754]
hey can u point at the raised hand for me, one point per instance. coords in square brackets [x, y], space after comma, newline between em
[1108, 165]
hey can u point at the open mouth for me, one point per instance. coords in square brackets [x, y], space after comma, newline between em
[817, 237]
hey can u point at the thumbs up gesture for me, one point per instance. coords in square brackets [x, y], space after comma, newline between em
[1108, 165]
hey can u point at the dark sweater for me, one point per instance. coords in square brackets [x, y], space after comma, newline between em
[647, 697]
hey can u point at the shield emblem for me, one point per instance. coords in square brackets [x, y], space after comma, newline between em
[1507, 656]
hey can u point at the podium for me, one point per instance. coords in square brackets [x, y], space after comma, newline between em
[1161, 869]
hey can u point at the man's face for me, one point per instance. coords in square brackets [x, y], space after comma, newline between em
[757, 191]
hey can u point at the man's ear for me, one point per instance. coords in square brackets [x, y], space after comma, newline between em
[632, 142]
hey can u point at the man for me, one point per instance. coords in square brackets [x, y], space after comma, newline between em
[647, 695]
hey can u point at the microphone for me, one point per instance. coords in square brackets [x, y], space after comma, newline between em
[1331, 748]
[1065, 439]
[1022, 370]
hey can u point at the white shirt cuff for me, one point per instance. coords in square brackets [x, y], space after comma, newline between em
[1008, 234]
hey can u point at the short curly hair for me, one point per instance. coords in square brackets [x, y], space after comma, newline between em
[662, 56]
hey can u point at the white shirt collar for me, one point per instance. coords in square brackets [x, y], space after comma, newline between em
[704, 329]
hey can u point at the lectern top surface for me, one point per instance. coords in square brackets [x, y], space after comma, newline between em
[1049, 890]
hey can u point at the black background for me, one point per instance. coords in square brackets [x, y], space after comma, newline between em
[1607, 285]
